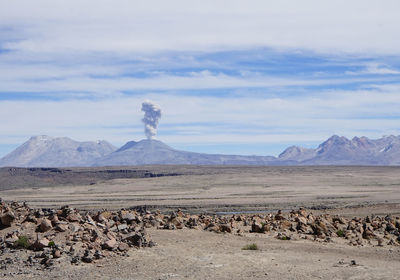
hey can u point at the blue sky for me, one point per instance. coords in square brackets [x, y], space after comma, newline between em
[236, 77]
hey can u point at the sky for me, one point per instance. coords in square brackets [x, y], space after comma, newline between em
[233, 77]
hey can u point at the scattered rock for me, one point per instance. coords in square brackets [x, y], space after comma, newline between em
[56, 254]
[40, 244]
[110, 244]
[88, 257]
[90, 236]
[135, 239]
[225, 228]
[7, 218]
[128, 216]
[45, 225]
[257, 227]
[123, 247]
[61, 228]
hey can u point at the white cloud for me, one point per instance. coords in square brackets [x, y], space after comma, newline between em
[55, 80]
[380, 69]
[375, 68]
[137, 26]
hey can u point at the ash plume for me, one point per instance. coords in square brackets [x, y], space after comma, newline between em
[152, 113]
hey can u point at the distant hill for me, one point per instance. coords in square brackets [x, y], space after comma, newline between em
[46, 151]
[156, 152]
[298, 154]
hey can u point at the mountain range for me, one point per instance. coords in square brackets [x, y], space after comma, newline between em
[342, 151]
[46, 151]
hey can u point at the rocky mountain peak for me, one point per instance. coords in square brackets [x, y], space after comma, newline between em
[46, 151]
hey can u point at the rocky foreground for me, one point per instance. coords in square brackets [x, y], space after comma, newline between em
[48, 238]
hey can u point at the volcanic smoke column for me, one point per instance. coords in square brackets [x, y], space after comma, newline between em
[152, 113]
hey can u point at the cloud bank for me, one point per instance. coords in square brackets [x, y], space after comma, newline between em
[228, 74]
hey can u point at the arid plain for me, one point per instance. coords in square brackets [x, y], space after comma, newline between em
[225, 190]
[208, 189]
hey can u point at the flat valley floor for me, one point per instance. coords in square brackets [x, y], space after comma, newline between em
[204, 188]
[196, 254]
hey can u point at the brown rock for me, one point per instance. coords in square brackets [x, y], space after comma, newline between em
[390, 227]
[30, 219]
[110, 244]
[279, 216]
[54, 220]
[128, 216]
[74, 227]
[301, 220]
[213, 228]
[152, 223]
[123, 247]
[7, 218]
[285, 224]
[56, 254]
[177, 221]
[340, 220]
[368, 234]
[61, 227]
[225, 228]
[266, 227]
[322, 226]
[179, 213]
[45, 225]
[100, 218]
[179, 226]
[257, 227]
[135, 239]
[302, 212]
[74, 217]
[169, 226]
[317, 229]
[40, 244]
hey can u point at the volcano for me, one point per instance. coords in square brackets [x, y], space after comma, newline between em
[156, 152]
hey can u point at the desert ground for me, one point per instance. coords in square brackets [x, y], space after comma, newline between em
[222, 190]
[211, 189]
[194, 254]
